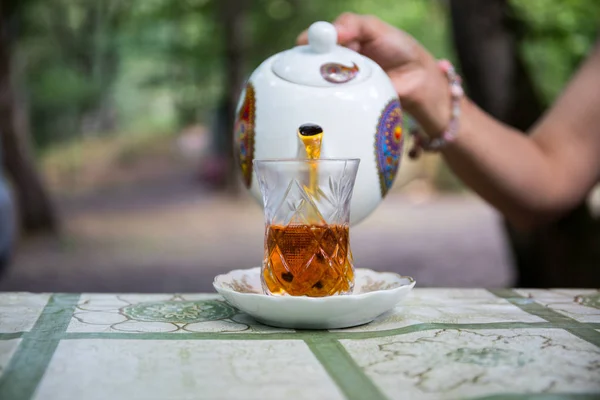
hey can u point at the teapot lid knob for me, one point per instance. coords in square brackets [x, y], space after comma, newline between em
[321, 63]
[322, 37]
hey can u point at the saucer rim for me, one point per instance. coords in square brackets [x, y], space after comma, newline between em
[411, 284]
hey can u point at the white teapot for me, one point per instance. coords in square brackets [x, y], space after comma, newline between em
[345, 93]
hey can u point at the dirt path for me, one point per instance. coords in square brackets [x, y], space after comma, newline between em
[173, 237]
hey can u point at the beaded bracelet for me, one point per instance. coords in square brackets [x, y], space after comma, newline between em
[423, 142]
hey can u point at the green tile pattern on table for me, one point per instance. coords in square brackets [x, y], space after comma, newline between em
[28, 364]
[349, 377]
[61, 320]
[580, 329]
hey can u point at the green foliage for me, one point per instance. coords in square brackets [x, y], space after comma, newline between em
[59, 87]
[180, 40]
[160, 63]
[111, 65]
[68, 58]
[556, 38]
[275, 24]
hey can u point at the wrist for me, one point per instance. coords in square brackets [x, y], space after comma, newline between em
[439, 138]
[430, 101]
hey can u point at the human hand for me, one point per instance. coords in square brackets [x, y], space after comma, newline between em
[422, 89]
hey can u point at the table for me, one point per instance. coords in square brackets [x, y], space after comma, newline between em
[437, 344]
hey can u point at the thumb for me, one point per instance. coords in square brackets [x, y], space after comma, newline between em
[358, 28]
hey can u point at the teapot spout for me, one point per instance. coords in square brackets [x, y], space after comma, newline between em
[310, 136]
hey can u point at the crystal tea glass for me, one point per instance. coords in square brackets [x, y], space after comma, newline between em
[307, 215]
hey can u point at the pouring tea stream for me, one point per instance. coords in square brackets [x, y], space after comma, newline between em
[345, 93]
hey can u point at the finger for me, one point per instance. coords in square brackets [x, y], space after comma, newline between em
[353, 46]
[346, 26]
[352, 28]
[302, 38]
[361, 28]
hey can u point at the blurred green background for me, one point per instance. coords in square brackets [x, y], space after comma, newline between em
[111, 69]
[123, 108]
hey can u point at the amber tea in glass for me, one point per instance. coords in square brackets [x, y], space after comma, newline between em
[307, 215]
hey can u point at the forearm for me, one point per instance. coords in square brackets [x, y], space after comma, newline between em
[505, 167]
[529, 178]
[501, 164]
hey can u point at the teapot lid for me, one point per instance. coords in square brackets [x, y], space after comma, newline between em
[322, 62]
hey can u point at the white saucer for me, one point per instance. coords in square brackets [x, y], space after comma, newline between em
[374, 294]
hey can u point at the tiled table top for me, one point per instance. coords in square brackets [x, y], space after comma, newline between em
[437, 344]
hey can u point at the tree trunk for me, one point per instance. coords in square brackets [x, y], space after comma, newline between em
[233, 16]
[566, 253]
[35, 210]
[494, 72]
